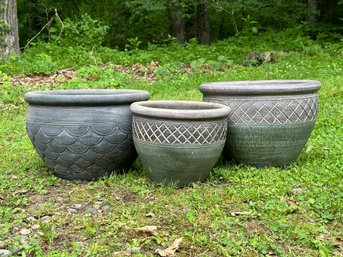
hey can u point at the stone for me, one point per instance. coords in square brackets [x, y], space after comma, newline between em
[24, 240]
[24, 231]
[45, 219]
[31, 219]
[71, 210]
[77, 206]
[5, 253]
[133, 249]
[35, 227]
[91, 210]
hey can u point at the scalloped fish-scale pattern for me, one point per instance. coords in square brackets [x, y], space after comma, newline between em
[83, 151]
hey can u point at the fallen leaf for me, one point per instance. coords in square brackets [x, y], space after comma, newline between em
[309, 149]
[236, 213]
[20, 192]
[338, 242]
[170, 251]
[148, 230]
[292, 204]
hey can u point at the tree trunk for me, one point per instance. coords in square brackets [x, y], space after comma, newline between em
[9, 38]
[328, 10]
[176, 23]
[312, 7]
[203, 28]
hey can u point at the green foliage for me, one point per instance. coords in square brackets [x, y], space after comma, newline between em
[84, 31]
[249, 26]
[112, 23]
[132, 44]
[9, 94]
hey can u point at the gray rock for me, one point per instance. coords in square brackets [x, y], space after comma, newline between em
[3, 244]
[5, 253]
[91, 210]
[24, 240]
[77, 206]
[134, 249]
[71, 210]
[31, 219]
[24, 231]
[45, 219]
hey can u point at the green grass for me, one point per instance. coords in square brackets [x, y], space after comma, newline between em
[238, 211]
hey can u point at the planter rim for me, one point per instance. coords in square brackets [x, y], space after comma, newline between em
[187, 110]
[86, 96]
[261, 87]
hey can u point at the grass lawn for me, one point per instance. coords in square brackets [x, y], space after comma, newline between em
[238, 211]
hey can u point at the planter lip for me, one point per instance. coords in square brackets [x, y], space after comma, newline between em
[261, 87]
[185, 110]
[86, 97]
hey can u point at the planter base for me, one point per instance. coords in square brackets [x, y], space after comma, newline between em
[167, 163]
[266, 145]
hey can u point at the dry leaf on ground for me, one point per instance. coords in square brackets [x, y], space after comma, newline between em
[147, 230]
[236, 213]
[170, 251]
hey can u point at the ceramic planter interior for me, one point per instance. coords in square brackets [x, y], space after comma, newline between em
[179, 142]
[270, 121]
[83, 134]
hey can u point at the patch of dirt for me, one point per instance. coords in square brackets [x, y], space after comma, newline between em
[40, 80]
[253, 226]
[139, 70]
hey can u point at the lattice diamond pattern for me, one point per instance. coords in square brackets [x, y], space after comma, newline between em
[175, 133]
[270, 111]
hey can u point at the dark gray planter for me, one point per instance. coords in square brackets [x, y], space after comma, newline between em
[179, 142]
[83, 134]
[270, 121]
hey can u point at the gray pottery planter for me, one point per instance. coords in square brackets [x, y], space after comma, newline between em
[270, 121]
[179, 142]
[83, 134]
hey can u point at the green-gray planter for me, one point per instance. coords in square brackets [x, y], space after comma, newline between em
[179, 142]
[83, 134]
[270, 121]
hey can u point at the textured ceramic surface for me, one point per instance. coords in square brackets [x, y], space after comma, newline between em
[83, 134]
[270, 121]
[179, 142]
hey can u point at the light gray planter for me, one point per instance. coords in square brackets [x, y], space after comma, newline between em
[83, 134]
[270, 121]
[179, 142]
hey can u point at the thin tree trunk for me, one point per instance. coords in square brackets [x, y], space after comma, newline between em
[8, 18]
[203, 28]
[176, 23]
[328, 10]
[312, 7]
[221, 28]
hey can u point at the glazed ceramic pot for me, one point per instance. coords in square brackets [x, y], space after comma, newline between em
[179, 142]
[83, 134]
[270, 121]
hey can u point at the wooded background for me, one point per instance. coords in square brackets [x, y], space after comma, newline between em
[137, 23]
